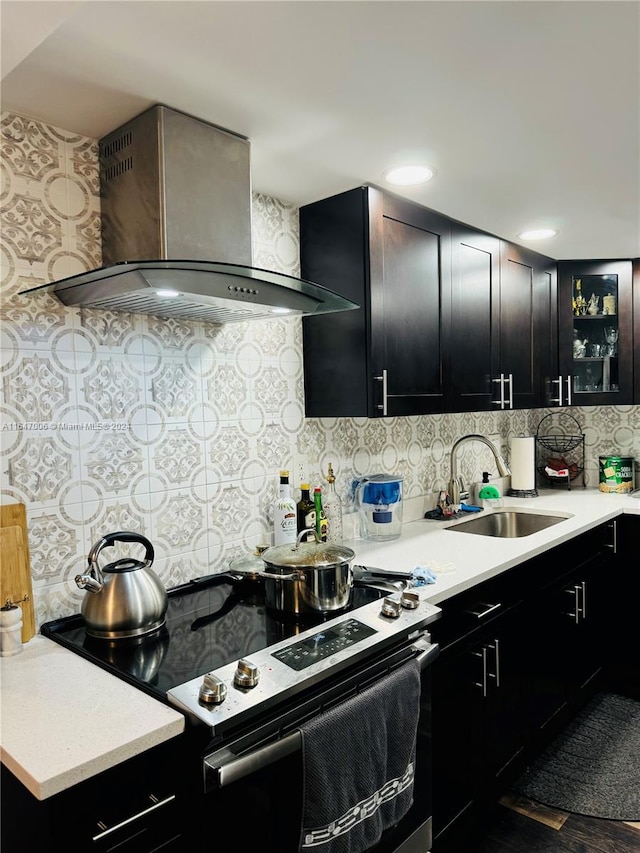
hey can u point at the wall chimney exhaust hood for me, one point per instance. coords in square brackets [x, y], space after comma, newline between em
[177, 190]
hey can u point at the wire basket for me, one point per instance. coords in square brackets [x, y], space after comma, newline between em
[560, 433]
[561, 441]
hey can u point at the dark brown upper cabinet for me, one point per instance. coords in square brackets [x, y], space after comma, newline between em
[474, 361]
[393, 258]
[595, 311]
[528, 327]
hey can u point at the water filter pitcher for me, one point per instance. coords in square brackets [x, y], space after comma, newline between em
[379, 504]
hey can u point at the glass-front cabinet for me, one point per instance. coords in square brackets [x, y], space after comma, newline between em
[595, 333]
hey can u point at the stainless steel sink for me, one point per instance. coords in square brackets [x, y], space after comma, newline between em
[508, 523]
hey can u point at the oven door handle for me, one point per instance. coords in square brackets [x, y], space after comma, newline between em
[427, 652]
[224, 767]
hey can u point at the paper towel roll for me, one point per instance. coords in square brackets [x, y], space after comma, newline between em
[523, 467]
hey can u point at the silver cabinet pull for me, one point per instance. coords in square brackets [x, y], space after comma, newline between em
[383, 378]
[500, 402]
[483, 684]
[557, 399]
[559, 382]
[575, 592]
[487, 609]
[157, 804]
[510, 380]
[495, 648]
[584, 599]
[613, 546]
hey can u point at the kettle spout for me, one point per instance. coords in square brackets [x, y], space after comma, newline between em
[89, 583]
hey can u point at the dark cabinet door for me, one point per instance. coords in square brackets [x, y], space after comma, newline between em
[596, 331]
[503, 733]
[456, 760]
[528, 349]
[475, 321]
[334, 239]
[623, 665]
[571, 645]
[393, 257]
[478, 720]
[141, 806]
[636, 330]
[410, 285]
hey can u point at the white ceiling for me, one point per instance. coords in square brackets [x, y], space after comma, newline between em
[528, 111]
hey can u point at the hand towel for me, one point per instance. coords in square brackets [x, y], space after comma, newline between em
[359, 764]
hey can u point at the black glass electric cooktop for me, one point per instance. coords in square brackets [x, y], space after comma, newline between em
[210, 622]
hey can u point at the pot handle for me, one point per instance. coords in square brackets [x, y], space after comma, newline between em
[122, 536]
[293, 576]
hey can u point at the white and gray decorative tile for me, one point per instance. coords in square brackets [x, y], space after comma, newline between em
[201, 417]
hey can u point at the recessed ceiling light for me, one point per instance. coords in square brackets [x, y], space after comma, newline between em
[538, 234]
[406, 176]
[167, 293]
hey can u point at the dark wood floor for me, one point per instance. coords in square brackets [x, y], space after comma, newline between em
[523, 826]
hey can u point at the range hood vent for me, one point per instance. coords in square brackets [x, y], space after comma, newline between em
[177, 190]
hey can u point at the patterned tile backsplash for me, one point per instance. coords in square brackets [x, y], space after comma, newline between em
[178, 429]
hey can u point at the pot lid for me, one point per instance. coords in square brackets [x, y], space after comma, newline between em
[249, 564]
[314, 554]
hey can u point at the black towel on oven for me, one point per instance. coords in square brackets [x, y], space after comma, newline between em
[358, 765]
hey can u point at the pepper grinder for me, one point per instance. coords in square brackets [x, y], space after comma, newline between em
[11, 628]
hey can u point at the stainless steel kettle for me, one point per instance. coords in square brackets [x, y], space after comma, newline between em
[125, 598]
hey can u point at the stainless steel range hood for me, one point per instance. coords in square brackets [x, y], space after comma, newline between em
[176, 230]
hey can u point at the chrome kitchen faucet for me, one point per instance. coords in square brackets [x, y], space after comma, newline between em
[456, 487]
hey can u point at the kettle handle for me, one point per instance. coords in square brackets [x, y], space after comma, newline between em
[122, 536]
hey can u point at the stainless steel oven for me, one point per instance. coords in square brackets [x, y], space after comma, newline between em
[248, 681]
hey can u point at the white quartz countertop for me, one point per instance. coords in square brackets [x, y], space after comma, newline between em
[461, 560]
[64, 719]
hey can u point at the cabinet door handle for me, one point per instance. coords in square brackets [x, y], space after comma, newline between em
[613, 546]
[575, 591]
[495, 648]
[500, 402]
[557, 399]
[383, 378]
[487, 609]
[483, 684]
[157, 804]
[584, 599]
[510, 380]
[569, 397]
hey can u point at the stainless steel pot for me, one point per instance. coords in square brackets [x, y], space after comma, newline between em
[125, 598]
[308, 577]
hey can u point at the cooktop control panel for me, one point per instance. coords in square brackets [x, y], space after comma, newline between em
[240, 690]
[323, 644]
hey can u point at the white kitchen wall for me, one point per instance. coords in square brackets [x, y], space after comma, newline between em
[178, 429]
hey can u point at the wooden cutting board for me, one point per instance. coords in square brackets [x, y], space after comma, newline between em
[15, 564]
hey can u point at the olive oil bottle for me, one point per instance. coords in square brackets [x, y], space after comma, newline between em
[284, 513]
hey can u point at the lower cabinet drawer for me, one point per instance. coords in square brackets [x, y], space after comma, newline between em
[146, 825]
